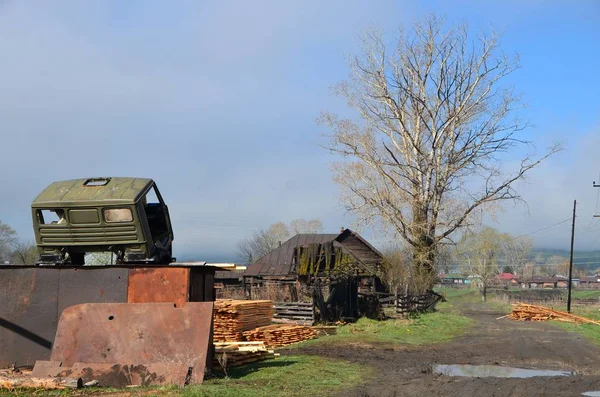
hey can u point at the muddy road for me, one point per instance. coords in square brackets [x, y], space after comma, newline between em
[404, 370]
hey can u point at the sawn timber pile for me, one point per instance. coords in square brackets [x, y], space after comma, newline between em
[280, 335]
[233, 354]
[233, 317]
[524, 312]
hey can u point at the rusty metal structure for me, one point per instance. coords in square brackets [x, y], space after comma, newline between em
[35, 297]
[146, 320]
[119, 344]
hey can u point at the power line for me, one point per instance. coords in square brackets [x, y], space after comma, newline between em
[542, 229]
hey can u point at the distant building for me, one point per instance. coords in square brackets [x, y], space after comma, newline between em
[590, 281]
[507, 280]
[454, 279]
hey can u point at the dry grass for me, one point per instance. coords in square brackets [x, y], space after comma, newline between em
[236, 293]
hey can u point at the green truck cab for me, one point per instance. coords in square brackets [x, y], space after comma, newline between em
[126, 216]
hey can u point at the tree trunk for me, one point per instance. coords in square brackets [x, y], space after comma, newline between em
[483, 292]
[423, 265]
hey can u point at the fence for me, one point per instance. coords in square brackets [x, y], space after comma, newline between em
[294, 312]
[409, 304]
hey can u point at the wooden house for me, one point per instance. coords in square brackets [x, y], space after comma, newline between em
[340, 265]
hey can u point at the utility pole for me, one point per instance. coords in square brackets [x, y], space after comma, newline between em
[596, 185]
[571, 258]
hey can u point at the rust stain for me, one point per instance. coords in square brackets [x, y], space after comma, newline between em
[159, 285]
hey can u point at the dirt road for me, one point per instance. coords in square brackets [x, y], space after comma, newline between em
[403, 371]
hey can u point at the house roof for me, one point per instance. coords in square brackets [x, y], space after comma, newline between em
[541, 279]
[228, 274]
[453, 276]
[506, 276]
[590, 279]
[280, 261]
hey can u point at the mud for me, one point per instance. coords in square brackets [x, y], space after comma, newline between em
[406, 371]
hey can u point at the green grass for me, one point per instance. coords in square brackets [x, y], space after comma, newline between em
[584, 294]
[422, 330]
[286, 376]
[459, 294]
[283, 376]
[589, 331]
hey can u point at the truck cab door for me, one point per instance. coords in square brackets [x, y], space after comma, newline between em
[159, 223]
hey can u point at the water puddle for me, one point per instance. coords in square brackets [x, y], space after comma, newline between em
[494, 371]
[591, 394]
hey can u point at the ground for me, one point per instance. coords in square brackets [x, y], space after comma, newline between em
[393, 358]
[404, 370]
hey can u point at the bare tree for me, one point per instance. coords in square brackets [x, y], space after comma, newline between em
[304, 226]
[516, 253]
[24, 253]
[480, 254]
[8, 237]
[396, 264]
[265, 241]
[527, 271]
[557, 265]
[424, 155]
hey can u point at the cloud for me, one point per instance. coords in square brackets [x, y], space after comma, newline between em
[549, 192]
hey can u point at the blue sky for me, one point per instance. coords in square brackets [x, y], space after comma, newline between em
[217, 102]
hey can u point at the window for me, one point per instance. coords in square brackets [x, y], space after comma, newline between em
[118, 215]
[51, 217]
[96, 182]
[151, 197]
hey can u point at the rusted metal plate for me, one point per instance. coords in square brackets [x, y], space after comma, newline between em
[28, 315]
[144, 333]
[32, 299]
[161, 284]
[91, 285]
[117, 375]
[44, 369]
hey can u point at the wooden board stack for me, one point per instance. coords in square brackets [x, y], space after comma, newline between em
[280, 335]
[233, 317]
[233, 354]
[524, 312]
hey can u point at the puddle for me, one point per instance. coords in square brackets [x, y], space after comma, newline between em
[591, 394]
[494, 371]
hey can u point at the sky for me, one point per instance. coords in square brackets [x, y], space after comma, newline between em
[217, 101]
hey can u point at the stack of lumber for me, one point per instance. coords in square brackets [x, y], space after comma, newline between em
[294, 313]
[524, 312]
[233, 354]
[281, 335]
[233, 317]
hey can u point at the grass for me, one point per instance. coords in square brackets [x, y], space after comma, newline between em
[590, 331]
[422, 330]
[285, 376]
[585, 294]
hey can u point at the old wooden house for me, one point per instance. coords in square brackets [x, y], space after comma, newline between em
[340, 265]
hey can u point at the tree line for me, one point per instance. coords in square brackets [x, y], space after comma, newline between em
[14, 250]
